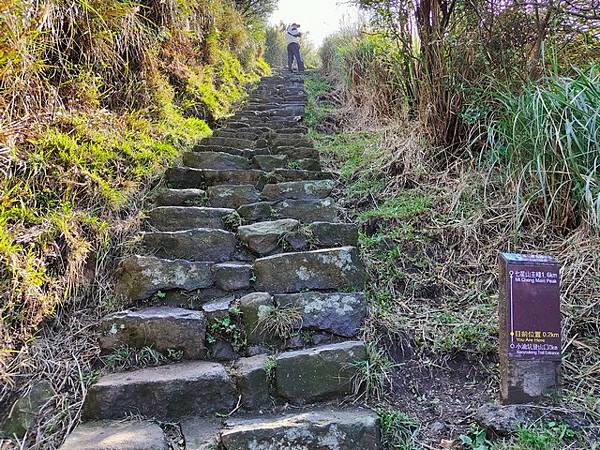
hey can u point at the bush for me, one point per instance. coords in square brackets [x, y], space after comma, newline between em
[549, 138]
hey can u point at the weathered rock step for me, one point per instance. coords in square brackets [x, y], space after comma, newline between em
[215, 161]
[185, 177]
[298, 190]
[287, 113]
[203, 388]
[233, 142]
[338, 269]
[246, 135]
[283, 161]
[166, 392]
[245, 152]
[234, 126]
[339, 314]
[113, 435]
[275, 123]
[198, 244]
[178, 218]
[162, 328]
[322, 429]
[260, 105]
[265, 238]
[140, 277]
[227, 161]
[306, 211]
[234, 196]
[300, 377]
[180, 197]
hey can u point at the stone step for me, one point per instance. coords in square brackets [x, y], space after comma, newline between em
[298, 190]
[113, 435]
[273, 162]
[164, 393]
[245, 152]
[273, 123]
[293, 140]
[185, 177]
[280, 112]
[232, 196]
[338, 269]
[265, 237]
[180, 197]
[233, 142]
[201, 433]
[327, 234]
[318, 374]
[319, 429]
[162, 328]
[178, 218]
[200, 244]
[338, 314]
[215, 161]
[259, 106]
[246, 135]
[269, 237]
[285, 175]
[140, 277]
[297, 152]
[306, 211]
[232, 276]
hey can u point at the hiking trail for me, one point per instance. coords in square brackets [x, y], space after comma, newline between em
[246, 275]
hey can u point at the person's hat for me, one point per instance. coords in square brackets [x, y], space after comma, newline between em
[297, 25]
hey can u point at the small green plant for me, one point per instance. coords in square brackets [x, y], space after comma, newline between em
[476, 439]
[294, 165]
[270, 367]
[280, 321]
[233, 220]
[174, 354]
[398, 430]
[373, 374]
[125, 358]
[228, 330]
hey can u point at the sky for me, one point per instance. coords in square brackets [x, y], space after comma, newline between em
[319, 18]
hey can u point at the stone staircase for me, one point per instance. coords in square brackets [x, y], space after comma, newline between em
[247, 274]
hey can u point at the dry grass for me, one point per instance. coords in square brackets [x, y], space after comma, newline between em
[66, 352]
[433, 274]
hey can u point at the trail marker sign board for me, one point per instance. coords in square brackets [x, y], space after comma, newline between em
[530, 326]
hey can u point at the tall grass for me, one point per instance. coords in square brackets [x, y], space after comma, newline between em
[367, 68]
[548, 137]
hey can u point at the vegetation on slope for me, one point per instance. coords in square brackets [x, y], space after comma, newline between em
[455, 145]
[97, 98]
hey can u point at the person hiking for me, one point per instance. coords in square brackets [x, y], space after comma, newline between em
[292, 35]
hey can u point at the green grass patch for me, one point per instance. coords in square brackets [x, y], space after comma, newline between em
[398, 430]
[406, 205]
[548, 435]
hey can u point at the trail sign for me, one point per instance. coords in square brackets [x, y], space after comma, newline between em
[529, 325]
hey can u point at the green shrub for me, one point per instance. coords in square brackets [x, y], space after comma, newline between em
[549, 138]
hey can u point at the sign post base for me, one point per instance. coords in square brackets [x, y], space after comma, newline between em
[528, 381]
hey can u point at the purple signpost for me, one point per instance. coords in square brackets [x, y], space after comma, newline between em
[530, 327]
